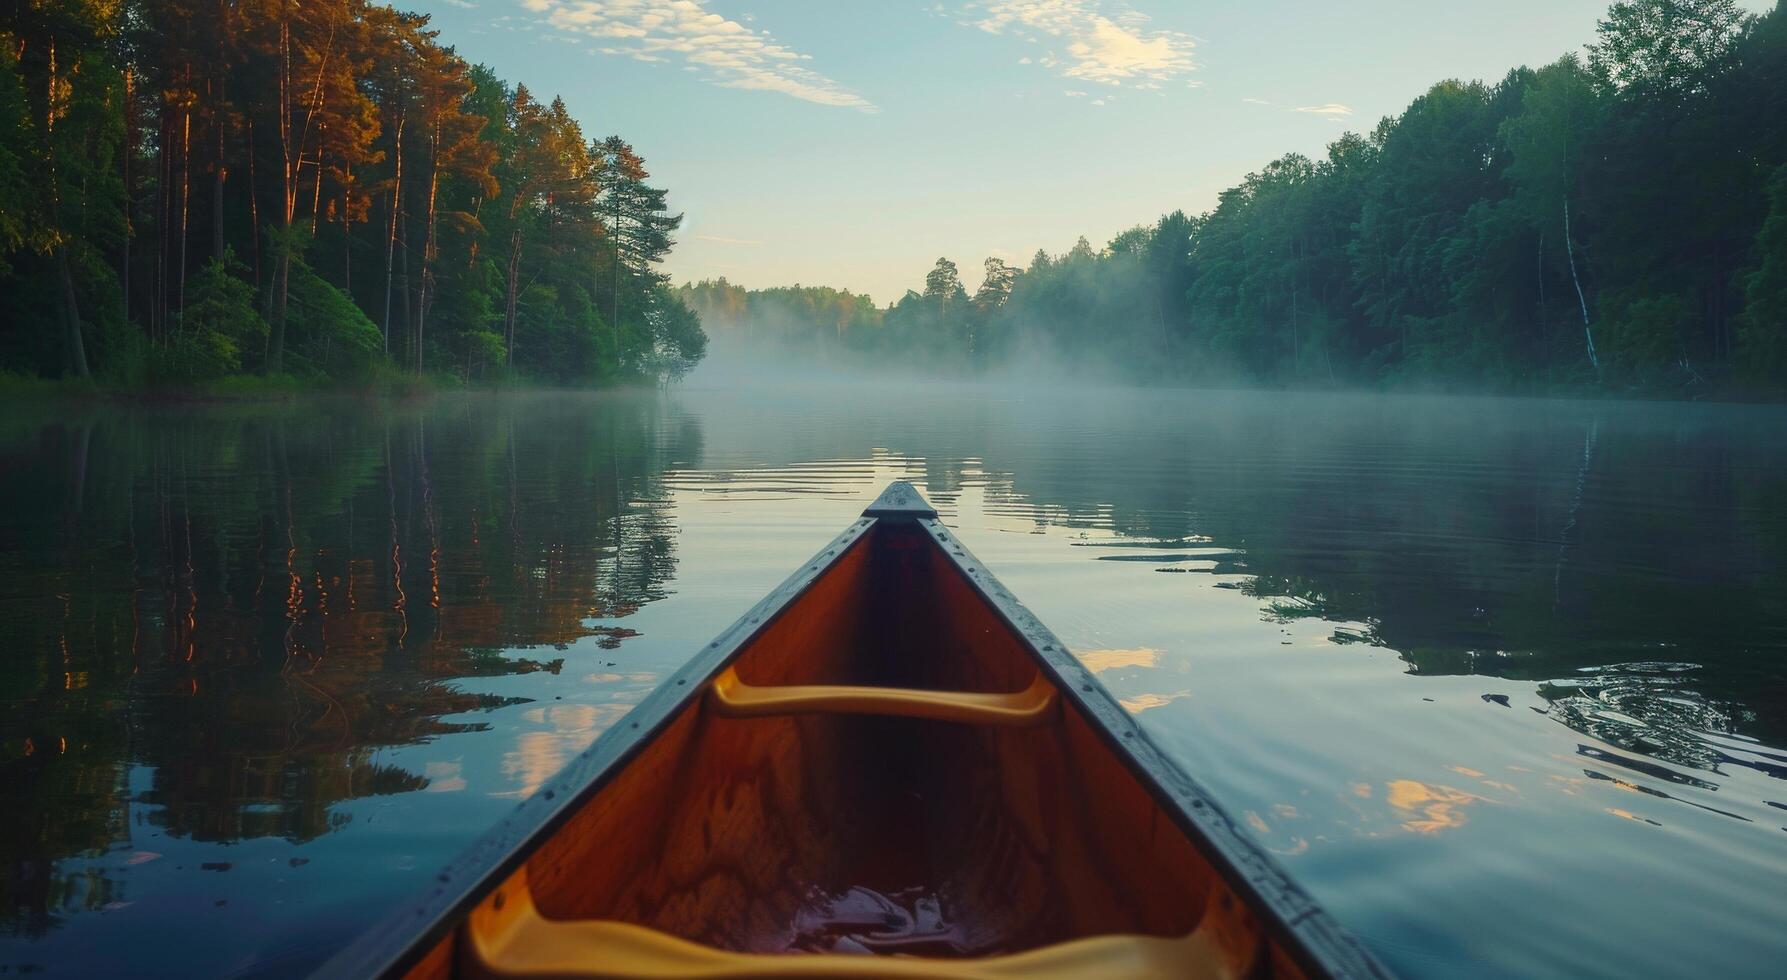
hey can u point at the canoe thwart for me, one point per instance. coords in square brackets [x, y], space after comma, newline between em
[731, 697]
[507, 936]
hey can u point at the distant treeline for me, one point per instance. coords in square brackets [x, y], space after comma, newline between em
[318, 190]
[1616, 221]
[783, 321]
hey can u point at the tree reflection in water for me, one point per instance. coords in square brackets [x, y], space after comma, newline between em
[237, 609]
[236, 627]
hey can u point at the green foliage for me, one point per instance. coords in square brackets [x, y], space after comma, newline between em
[1557, 107]
[1665, 48]
[326, 333]
[1643, 336]
[801, 323]
[15, 183]
[1598, 225]
[468, 320]
[218, 327]
[291, 241]
[484, 352]
[1762, 337]
[541, 332]
[943, 284]
[1485, 236]
[124, 356]
[678, 342]
[189, 357]
[398, 203]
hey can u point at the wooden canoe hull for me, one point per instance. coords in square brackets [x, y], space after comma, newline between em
[713, 841]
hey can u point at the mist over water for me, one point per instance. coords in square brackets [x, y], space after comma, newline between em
[1499, 681]
[766, 359]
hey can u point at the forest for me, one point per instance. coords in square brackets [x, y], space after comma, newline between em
[317, 192]
[1614, 222]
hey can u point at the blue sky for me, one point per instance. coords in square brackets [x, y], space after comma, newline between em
[852, 143]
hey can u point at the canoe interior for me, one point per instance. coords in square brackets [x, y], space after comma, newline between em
[863, 834]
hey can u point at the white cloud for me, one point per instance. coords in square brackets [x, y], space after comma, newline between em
[461, 4]
[1108, 49]
[723, 51]
[1330, 110]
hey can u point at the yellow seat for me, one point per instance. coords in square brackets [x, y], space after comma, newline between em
[506, 936]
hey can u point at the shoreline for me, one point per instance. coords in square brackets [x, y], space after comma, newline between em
[257, 389]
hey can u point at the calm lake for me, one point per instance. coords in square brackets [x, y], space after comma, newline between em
[1504, 683]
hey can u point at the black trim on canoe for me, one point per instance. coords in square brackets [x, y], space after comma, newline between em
[1313, 939]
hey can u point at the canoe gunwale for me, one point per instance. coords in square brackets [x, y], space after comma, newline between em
[1302, 928]
[394, 944]
[1289, 915]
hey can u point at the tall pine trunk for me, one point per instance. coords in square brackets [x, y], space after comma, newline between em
[509, 302]
[347, 241]
[291, 160]
[614, 303]
[429, 245]
[158, 294]
[185, 194]
[391, 235]
[403, 281]
[219, 175]
[129, 230]
[74, 345]
[1570, 249]
[288, 192]
[316, 195]
[254, 207]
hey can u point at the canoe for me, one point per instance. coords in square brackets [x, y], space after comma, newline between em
[889, 768]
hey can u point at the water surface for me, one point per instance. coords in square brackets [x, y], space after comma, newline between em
[1503, 683]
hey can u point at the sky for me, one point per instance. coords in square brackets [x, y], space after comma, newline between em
[851, 143]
